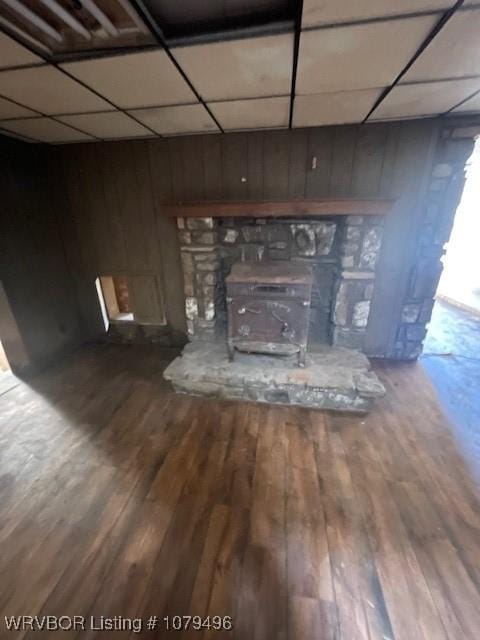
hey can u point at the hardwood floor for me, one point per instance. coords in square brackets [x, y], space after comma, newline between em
[120, 498]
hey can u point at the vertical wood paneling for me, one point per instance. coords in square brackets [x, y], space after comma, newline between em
[344, 139]
[117, 245]
[175, 154]
[256, 165]
[297, 163]
[212, 166]
[146, 211]
[59, 177]
[319, 147]
[35, 276]
[147, 303]
[160, 170]
[192, 163]
[115, 193]
[368, 159]
[87, 229]
[276, 159]
[127, 188]
[391, 148]
[79, 212]
[170, 277]
[234, 166]
[97, 210]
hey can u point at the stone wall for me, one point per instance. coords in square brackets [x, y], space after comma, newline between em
[359, 249]
[201, 270]
[444, 193]
[341, 251]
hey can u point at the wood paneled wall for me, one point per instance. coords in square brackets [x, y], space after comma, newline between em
[40, 295]
[111, 226]
[113, 221]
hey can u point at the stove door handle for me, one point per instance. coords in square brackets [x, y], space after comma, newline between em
[243, 310]
[285, 324]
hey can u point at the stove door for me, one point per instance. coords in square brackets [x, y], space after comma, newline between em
[268, 322]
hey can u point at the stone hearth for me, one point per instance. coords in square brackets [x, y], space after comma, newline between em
[334, 377]
[341, 252]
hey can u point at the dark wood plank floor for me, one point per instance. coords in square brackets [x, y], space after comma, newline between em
[120, 498]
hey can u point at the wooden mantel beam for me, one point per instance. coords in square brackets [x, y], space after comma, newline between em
[280, 208]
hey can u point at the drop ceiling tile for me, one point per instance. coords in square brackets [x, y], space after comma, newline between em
[453, 53]
[49, 91]
[432, 98]
[235, 69]
[44, 130]
[169, 121]
[134, 80]
[317, 12]
[472, 105]
[259, 113]
[11, 110]
[109, 125]
[361, 56]
[333, 108]
[13, 54]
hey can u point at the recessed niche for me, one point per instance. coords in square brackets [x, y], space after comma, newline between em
[116, 298]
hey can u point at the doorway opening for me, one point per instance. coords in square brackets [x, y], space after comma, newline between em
[451, 353]
[457, 300]
[460, 281]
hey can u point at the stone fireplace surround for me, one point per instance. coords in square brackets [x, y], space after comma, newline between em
[342, 250]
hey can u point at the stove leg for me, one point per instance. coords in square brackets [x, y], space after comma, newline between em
[301, 357]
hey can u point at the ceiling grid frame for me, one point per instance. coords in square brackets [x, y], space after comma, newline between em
[435, 8]
[456, 109]
[435, 31]
[155, 30]
[53, 116]
[444, 16]
[296, 48]
[58, 68]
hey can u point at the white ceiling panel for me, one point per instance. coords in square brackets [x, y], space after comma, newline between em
[11, 110]
[432, 98]
[13, 54]
[113, 124]
[453, 53]
[236, 69]
[317, 12]
[134, 80]
[49, 91]
[472, 105]
[169, 121]
[259, 113]
[44, 130]
[362, 56]
[333, 108]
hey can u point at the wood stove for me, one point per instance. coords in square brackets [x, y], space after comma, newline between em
[269, 308]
